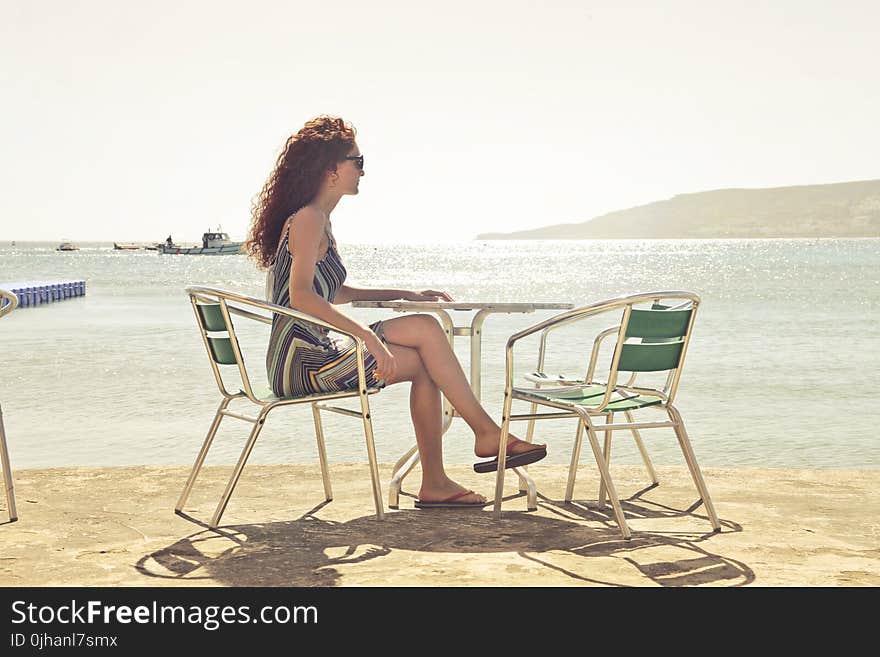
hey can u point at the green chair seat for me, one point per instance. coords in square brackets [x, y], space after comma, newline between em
[264, 393]
[588, 396]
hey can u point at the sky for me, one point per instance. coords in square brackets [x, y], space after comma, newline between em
[130, 121]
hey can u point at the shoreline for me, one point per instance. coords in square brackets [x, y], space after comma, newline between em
[115, 526]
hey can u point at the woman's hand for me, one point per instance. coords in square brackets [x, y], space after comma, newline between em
[427, 295]
[386, 363]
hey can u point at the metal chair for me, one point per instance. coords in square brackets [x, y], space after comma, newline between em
[651, 338]
[214, 309]
[8, 303]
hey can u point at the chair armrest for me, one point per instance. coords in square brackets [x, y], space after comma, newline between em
[557, 321]
[197, 290]
[8, 302]
[571, 316]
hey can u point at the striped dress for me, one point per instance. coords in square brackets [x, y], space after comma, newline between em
[302, 358]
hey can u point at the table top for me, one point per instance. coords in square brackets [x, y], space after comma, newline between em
[495, 306]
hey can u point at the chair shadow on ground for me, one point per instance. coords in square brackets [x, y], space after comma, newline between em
[307, 551]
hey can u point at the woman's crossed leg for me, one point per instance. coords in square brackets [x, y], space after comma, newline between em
[426, 359]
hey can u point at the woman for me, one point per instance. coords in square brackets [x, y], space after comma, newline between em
[291, 232]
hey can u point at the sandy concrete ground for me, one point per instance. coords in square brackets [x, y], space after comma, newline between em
[116, 526]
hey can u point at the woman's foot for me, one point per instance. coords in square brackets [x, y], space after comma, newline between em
[448, 489]
[486, 444]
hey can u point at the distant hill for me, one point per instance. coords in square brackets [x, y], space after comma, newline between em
[849, 209]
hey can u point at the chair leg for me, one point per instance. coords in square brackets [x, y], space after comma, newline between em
[530, 430]
[236, 473]
[644, 452]
[606, 477]
[608, 420]
[691, 460]
[322, 452]
[203, 452]
[7, 473]
[575, 459]
[371, 455]
[502, 456]
[526, 485]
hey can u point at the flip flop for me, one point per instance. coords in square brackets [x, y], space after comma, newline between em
[451, 502]
[512, 461]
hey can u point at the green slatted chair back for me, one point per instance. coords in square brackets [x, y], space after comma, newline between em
[221, 343]
[212, 322]
[655, 338]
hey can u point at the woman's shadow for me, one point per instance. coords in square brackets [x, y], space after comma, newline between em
[309, 551]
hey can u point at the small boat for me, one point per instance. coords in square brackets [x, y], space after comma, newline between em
[214, 242]
[126, 246]
[67, 246]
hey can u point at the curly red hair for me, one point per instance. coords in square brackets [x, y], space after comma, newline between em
[307, 156]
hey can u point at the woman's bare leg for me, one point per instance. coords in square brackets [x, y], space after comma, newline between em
[424, 334]
[427, 417]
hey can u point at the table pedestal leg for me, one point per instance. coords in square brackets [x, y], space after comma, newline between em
[527, 485]
[406, 463]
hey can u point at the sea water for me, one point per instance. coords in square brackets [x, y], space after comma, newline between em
[781, 372]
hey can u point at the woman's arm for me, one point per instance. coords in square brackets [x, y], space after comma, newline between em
[348, 293]
[304, 249]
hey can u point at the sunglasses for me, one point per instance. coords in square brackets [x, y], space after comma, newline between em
[357, 159]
